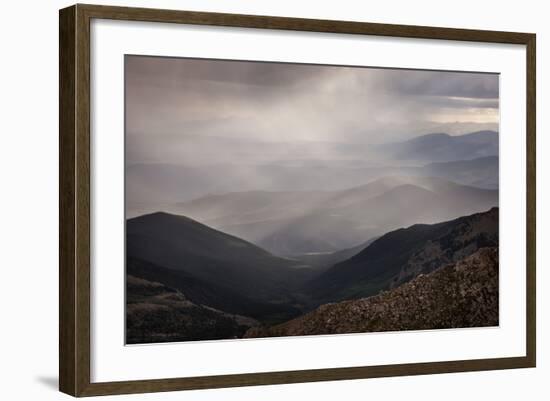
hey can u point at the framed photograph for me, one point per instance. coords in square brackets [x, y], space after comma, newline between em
[250, 200]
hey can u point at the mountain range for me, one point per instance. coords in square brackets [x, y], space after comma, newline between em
[205, 274]
[470, 159]
[293, 223]
[274, 239]
[442, 147]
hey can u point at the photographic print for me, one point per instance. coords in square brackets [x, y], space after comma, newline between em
[268, 199]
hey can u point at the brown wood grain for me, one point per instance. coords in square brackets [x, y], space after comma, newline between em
[67, 294]
[531, 271]
[74, 199]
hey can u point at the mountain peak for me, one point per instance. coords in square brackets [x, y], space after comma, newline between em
[433, 136]
[442, 147]
[183, 244]
[163, 216]
[483, 132]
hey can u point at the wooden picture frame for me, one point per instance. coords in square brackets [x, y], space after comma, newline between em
[74, 204]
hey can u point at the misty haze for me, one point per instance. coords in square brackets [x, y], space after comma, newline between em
[273, 199]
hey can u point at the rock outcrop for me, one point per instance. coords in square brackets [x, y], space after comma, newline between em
[458, 295]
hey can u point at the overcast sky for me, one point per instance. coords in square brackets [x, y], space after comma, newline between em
[275, 102]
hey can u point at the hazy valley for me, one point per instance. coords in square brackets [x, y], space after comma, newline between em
[304, 246]
[209, 285]
[304, 166]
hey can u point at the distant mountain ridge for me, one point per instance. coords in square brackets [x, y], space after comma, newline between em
[441, 147]
[482, 172]
[328, 166]
[290, 223]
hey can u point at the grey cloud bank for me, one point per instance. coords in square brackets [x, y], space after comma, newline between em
[196, 127]
[274, 102]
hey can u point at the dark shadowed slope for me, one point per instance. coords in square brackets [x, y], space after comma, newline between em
[400, 255]
[208, 293]
[182, 244]
[463, 294]
[157, 313]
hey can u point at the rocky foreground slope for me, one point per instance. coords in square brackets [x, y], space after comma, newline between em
[462, 294]
[156, 313]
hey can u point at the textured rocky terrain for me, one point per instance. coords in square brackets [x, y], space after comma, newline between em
[467, 236]
[156, 313]
[399, 256]
[461, 294]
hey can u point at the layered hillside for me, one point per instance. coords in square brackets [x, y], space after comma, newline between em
[157, 313]
[442, 147]
[187, 281]
[196, 168]
[461, 294]
[182, 244]
[208, 293]
[401, 255]
[295, 223]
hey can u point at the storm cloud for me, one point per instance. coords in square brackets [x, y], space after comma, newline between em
[196, 127]
[445, 84]
[276, 102]
[170, 102]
